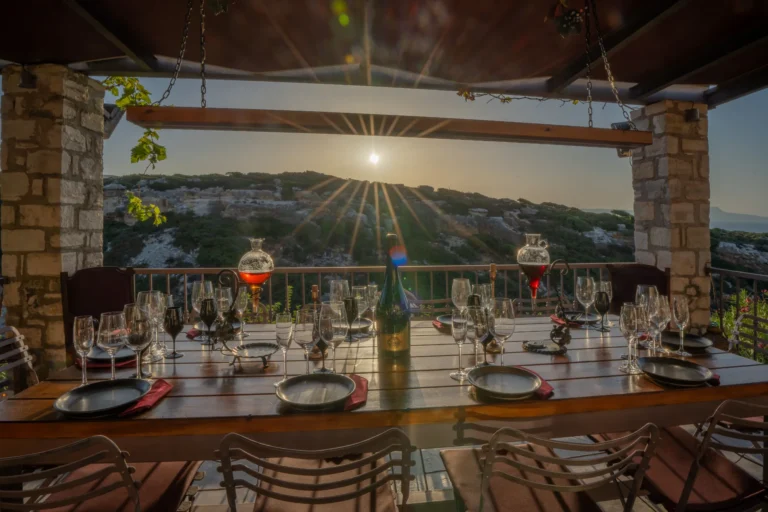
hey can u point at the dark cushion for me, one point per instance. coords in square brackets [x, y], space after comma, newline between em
[625, 278]
[465, 470]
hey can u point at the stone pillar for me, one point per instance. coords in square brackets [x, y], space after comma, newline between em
[671, 183]
[51, 188]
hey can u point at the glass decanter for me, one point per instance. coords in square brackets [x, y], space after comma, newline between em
[533, 259]
[254, 269]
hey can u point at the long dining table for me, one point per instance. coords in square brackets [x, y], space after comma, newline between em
[212, 397]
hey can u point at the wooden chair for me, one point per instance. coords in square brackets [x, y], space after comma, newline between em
[354, 477]
[93, 291]
[625, 278]
[16, 363]
[528, 473]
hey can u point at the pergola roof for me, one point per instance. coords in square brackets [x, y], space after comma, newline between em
[657, 48]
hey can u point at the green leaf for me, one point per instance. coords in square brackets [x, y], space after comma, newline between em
[143, 212]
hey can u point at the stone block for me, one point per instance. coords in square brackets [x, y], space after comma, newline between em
[90, 168]
[637, 114]
[66, 191]
[7, 215]
[641, 240]
[13, 185]
[23, 240]
[96, 241]
[681, 213]
[33, 336]
[6, 104]
[656, 190]
[676, 189]
[37, 187]
[68, 110]
[642, 170]
[69, 262]
[67, 216]
[40, 215]
[11, 295]
[675, 239]
[673, 124]
[73, 139]
[19, 129]
[702, 284]
[683, 263]
[93, 122]
[643, 124]
[664, 212]
[68, 240]
[44, 264]
[666, 145]
[704, 261]
[645, 257]
[697, 190]
[660, 237]
[659, 107]
[695, 145]
[675, 167]
[54, 334]
[702, 166]
[663, 259]
[644, 211]
[93, 259]
[701, 317]
[10, 265]
[46, 161]
[697, 237]
[91, 219]
[51, 309]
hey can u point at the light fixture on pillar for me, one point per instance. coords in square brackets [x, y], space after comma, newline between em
[28, 80]
[623, 152]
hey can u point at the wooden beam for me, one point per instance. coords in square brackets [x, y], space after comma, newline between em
[719, 51]
[735, 88]
[613, 42]
[285, 121]
[144, 59]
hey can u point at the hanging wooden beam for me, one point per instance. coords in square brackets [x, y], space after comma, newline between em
[740, 86]
[289, 121]
[614, 41]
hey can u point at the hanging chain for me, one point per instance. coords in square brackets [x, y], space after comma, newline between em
[607, 65]
[587, 37]
[203, 89]
[184, 37]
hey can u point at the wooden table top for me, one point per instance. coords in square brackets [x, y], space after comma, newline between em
[211, 397]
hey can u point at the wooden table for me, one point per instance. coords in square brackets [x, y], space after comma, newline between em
[211, 398]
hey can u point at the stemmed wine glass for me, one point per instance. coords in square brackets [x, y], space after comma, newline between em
[201, 290]
[208, 314]
[139, 333]
[629, 324]
[339, 290]
[682, 316]
[602, 305]
[585, 294]
[241, 305]
[350, 307]
[373, 301]
[223, 296]
[485, 294]
[83, 337]
[502, 322]
[459, 332]
[460, 292]
[284, 335]
[360, 294]
[644, 293]
[153, 305]
[174, 323]
[333, 329]
[665, 316]
[479, 317]
[303, 331]
[112, 335]
[605, 286]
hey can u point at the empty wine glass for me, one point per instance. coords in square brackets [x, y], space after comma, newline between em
[208, 314]
[303, 331]
[585, 294]
[333, 329]
[479, 318]
[459, 333]
[485, 294]
[681, 316]
[665, 316]
[241, 305]
[201, 290]
[153, 305]
[284, 336]
[138, 328]
[607, 287]
[223, 296]
[460, 292]
[82, 334]
[643, 295]
[339, 290]
[112, 335]
[174, 323]
[628, 322]
[503, 326]
[602, 305]
[373, 301]
[360, 294]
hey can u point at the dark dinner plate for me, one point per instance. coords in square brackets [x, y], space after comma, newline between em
[674, 383]
[102, 397]
[97, 355]
[690, 342]
[674, 370]
[504, 382]
[316, 391]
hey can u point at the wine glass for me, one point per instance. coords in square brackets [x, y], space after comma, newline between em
[173, 323]
[602, 305]
[339, 290]
[201, 290]
[665, 316]
[303, 332]
[350, 307]
[112, 335]
[460, 292]
[223, 296]
[654, 319]
[333, 329]
[153, 305]
[643, 295]
[607, 287]
[138, 329]
[82, 334]
[628, 323]
[360, 294]
[472, 338]
[208, 315]
[485, 294]
[284, 336]
[241, 305]
[459, 333]
[503, 326]
[373, 301]
[585, 294]
[479, 317]
[681, 316]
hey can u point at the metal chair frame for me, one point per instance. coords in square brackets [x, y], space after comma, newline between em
[237, 447]
[629, 454]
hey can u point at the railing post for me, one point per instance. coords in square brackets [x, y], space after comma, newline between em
[720, 306]
[754, 320]
[492, 274]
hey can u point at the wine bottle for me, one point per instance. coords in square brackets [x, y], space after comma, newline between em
[392, 313]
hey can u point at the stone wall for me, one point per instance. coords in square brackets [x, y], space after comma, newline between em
[52, 199]
[671, 184]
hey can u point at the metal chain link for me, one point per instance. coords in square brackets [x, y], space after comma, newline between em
[587, 37]
[203, 88]
[184, 37]
[607, 65]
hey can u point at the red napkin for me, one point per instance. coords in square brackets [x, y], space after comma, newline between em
[715, 380]
[128, 363]
[441, 326]
[546, 390]
[360, 395]
[559, 321]
[193, 333]
[160, 388]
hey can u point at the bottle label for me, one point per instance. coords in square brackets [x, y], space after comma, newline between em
[395, 343]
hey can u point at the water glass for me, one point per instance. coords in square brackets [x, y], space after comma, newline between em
[304, 330]
[360, 294]
[484, 291]
[373, 301]
[479, 317]
[630, 324]
[339, 290]
[460, 292]
[503, 322]
[682, 317]
[83, 337]
[112, 335]
[223, 296]
[333, 329]
[585, 294]
[284, 336]
[241, 306]
[459, 333]
[138, 329]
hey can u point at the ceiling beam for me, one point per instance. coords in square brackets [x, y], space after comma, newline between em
[125, 43]
[291, 121]
[735, 88]
[613, 42]
[717, 52]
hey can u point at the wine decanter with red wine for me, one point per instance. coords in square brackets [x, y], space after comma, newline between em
[533, 259]
[254, 269]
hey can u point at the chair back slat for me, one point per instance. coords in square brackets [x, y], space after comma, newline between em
[15, 361]
[392, 446]
[529, 454]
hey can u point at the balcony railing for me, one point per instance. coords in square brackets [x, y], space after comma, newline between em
[425, 282]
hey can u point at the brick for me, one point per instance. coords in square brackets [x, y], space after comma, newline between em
[11, 295]
[700, 318]
[23, 240]
[660, 237]
[68, 240]
[93, 259]
[644, 211]
[675, 240]
[93, 122]
[10, 265]
[96, 241]
[694, 145]
[684, 263]
[47, 161]
[642, 170]
[702, 283]
[697, 238]
[702, 166]
[69, 262]
[13, 185]
[697, 190]
[659, 107]
[20, 129]
[641, 240]
[66, 191]
[673, 124]
[33, 336]
[72, 139]
[7, 215]
[37, 187]
[704, 261]
[54, 333]
[91, 219]
[43, 264]
[663, 259]
[40, 215]
[645, 257]
[681, 213]
[666, 145]
[675, 167]
[676, 189]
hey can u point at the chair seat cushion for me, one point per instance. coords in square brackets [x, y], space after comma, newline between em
[383, 499]
[161, 488]
[465, 468]
[719, 484]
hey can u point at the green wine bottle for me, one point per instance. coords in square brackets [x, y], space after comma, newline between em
[392, 313]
